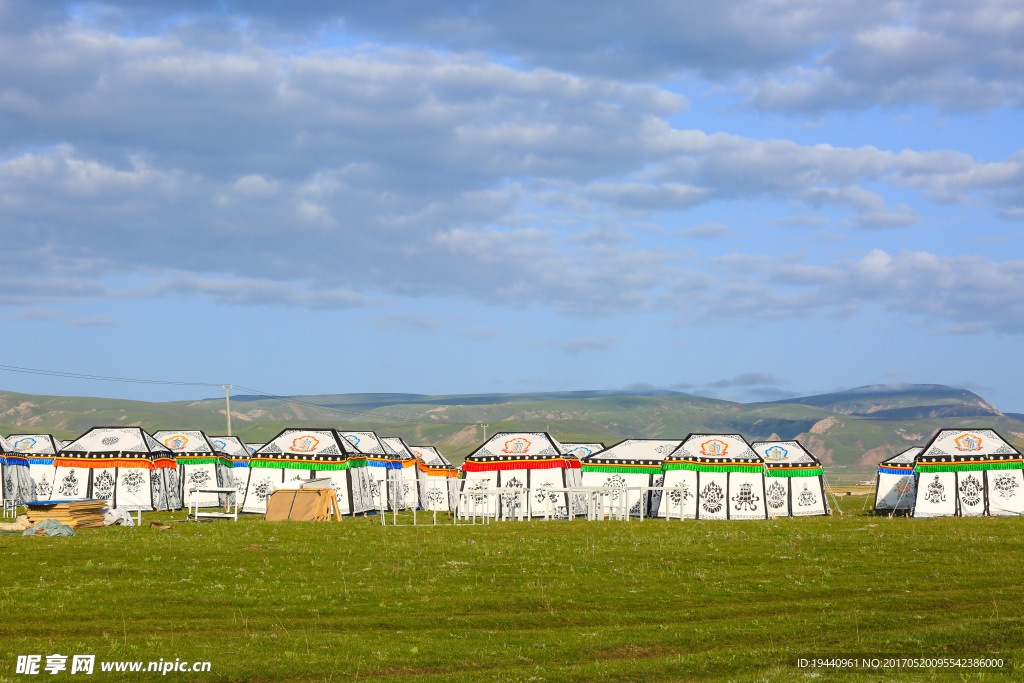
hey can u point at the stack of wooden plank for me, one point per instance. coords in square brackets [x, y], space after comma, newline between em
[74, 513]
[302, 505]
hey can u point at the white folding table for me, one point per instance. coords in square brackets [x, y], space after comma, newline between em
[230, 502]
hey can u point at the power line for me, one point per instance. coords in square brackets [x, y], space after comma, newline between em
[131, 380]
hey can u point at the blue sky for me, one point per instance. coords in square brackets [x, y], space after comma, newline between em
[752, 200]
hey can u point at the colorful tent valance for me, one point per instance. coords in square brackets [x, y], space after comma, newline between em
[623, 468]
[708, 467]
[795, 471]
[964, 466]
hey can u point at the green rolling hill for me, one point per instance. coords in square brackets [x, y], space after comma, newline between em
[855, 428]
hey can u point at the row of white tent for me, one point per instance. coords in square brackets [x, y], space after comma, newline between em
[958, 472]
[704, 476]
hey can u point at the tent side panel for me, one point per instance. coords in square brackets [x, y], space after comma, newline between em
[936, 494]
[777, 496]
[1005, 492]
[807, 497]
[894, 492]
[746, 499]
[481, 505]
[970, 490]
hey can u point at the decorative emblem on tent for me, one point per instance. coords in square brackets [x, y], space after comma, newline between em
[103, 485]
[510, 501]
[517, 445]
[712, 496]
[970, 491]
[221, 445]
[353, 439]
[677, 496]
[616, 483]
[1005, 485]
[304, 444]
[199, 478]
[109, 440]
[176, 442]
[936, 492]
[968, 443]
[45, 487]
[905, 486]
[581, 451]
[435, 498]
[806, 498]
[714, 448]
[69, 485]
[479, 485]
[133, 481]
[776, 495]
[26, 444]
[263, 489]
[745, 499]
[775, 453]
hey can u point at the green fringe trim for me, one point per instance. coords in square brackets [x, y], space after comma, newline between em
[752, 469]
[203, 461]
[809, 472]
[614, 469]
[286, 465]
[926, 467]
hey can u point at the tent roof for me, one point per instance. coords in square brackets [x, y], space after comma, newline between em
[641, 451]
[776, 453]
[253, 447]
[396, 447]
[966, 445]
[184, 441]
[582, 450]
[431, 456]
[904, 458]
[116, 440]
[511, 445]
[318, 444]
[34, 444]
[231, 445]
[365, 442]
[5, 446]
[715, 448]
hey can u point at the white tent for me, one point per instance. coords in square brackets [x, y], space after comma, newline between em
[439, 489]
[795, 483]
[296, 455]
[633, 462]
[15, 479]
[200, 465]
[721, 478]
[238, 453]
[533, 460]
[39, 450]
[124, 465]
[894, 482]
[410, 480]
[968, 472]
[380, 463]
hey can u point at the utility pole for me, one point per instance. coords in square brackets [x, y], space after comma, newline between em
[227, 403]
[485, 426]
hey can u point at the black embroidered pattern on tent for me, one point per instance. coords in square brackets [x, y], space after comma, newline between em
[970, 491]
[712, 496]
[435, 497]
[44, 487]
[745, 499]
[133, 481]
[776, 495]
[69, 485]
[199, 478]
[110, 440]
[103, 485]
[806, 498]
[263, 489]
[616, 484]
[511, 501]
[677, 496]
[1005, 485]
[936, 492]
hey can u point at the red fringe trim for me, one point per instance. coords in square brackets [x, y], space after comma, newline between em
[92, 463]
[561, 464]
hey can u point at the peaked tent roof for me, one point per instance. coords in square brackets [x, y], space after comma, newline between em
[519, 451]
[582, 450]
[715, 453]
[115, 447]
[321, 448]
[431, 456]
[185, 441]
[903, 458]
[787, 459]
[631, 455]
[967, 449]
[231, 446]
[253, 447]
[396, 447]
[365, 442]
[34, 445]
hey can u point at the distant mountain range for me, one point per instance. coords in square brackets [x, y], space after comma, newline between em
[858, 427]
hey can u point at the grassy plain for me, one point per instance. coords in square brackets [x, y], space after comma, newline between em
[536, 601]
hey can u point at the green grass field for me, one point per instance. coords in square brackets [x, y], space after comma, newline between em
[536, 601]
